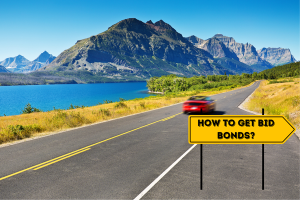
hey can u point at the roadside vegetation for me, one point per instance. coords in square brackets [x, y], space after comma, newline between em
[280, 94]
[173, 84]
[278, 97]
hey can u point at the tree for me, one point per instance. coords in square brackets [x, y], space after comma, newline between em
[28, 109]
[254, 75]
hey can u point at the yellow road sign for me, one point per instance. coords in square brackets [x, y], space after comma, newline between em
[239, 129]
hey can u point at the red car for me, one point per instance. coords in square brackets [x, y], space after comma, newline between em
[199, 104]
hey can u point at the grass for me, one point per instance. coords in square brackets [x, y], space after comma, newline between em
[280, 81]
[281, 98]
[22, 126]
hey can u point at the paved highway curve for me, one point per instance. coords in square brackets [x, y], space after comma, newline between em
[118, 159]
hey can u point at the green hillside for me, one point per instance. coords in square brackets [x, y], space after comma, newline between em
[288, 70]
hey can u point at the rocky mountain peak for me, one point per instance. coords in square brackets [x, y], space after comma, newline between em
[198, 42]
[20, 58]
[43, 57]
[276, 56]
[164, 25]
[224, 39]
[15, 63]
[194, 39]
[149, 22]
[245, 52]
[218, 35]
[130, 24]
[216, 48]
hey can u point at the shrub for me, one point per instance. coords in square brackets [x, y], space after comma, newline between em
[142, 104]
[107, 101]
[104, 112]
[120, 104]
[64, 119]
[71, 107]
[17, 132]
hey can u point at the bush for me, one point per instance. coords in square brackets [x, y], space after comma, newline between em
[142, 104]
[107, 101]
[120, 104]
[17, 132]
[104, 112]
[73, 107]
[64, 119]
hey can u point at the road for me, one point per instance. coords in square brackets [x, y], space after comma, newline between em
[118, 159]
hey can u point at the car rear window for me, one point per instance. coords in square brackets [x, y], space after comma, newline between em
[195, 104]
[204, 98]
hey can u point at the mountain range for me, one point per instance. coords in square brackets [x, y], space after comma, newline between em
[257, 60]
[133, 50]
[20, 64]
[223, 55]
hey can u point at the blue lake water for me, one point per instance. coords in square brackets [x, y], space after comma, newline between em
[14, 98]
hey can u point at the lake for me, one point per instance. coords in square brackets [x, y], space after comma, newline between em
[45, 97]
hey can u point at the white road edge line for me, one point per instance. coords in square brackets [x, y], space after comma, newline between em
[163, 174]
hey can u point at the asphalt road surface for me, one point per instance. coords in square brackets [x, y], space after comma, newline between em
[123, 158]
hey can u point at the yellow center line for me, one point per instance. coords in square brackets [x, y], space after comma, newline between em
[40, 164]
[57, 159]
[61, 159]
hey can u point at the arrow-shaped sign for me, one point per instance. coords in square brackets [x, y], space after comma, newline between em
[239, 129]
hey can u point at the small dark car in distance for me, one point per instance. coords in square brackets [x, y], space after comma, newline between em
[198, 104]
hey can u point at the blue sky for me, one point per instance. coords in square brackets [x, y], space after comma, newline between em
[28, 27]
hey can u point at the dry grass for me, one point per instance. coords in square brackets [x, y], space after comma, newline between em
[278, 99]
[42, 123]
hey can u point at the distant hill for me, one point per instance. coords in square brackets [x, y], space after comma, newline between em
[287, 70]
[15, 64]
[20, 64]
[45, 57]
[42, 60]
[276, 56]
[3, 69]
[132, 48]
